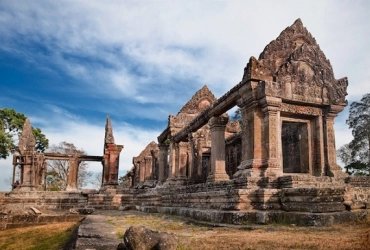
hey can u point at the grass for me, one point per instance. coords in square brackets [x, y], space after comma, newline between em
[197, 236]
[278, 237]
[46, 237]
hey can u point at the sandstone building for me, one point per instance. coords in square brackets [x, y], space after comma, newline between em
[278, 163]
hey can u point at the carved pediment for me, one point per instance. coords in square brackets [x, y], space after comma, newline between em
[295, 62]
[201, 100]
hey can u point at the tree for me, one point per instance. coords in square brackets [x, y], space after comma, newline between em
[124, 181]
[359, 122]
[56, 176]
[97, 180]
[11, 125]
[345, 155]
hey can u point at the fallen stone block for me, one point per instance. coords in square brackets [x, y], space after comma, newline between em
[141, 238]
[82, 210]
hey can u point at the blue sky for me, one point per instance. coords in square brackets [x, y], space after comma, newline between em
[68, 64]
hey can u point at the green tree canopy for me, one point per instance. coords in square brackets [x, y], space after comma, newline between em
[11, 124]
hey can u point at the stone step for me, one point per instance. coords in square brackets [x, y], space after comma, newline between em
[95, 232]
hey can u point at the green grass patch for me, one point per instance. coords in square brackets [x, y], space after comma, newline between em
[48, 237]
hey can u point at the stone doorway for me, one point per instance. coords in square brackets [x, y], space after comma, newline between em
[295, 147]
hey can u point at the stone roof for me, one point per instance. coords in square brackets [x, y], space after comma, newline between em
[146, 152]
[201, 100]
[109, 138]
[295, 57]
[27, 141]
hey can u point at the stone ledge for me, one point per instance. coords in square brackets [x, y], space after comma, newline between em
[266, 217]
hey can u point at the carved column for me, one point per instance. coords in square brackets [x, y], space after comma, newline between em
[182, 161]
[111, 164]
[148, 167]
[141, 167]
[199, 158]
[15, 164]
[111, 157]
[319, 159]
[191, 158]
[271, 137]
[332, 168]
[173, 167]
[72, 177]
[154, 174]
[41, 165]
[251, 135]
[27, 171]
[162, 162]
[217, 127]
[27, 150]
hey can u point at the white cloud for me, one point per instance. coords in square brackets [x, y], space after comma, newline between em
[208, 41]
[158, 54]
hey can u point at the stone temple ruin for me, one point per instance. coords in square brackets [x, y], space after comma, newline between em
[277, 164]
[33, 164]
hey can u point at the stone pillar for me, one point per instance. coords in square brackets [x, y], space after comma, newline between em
[72, 177]
[111, 157]
[173, 168]
[199, 157]
[131, 181]
[251, 136]
[182, 160]
[27, 150]
[15, 163]
[217, 127]
[141, 168]
[191, 158]
[271, 137]
[162, 162]
[332, 168]
[319, 159]
[39, 170]
[27, 172]
[154, 175]
[111, 164]
[148, 167]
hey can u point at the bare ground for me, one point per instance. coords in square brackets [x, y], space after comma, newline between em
[192, 235]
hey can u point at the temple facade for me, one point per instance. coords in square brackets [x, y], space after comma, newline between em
[277, 163]
[288, 100]
[278, 159]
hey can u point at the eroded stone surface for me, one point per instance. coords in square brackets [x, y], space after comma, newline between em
[139, 237]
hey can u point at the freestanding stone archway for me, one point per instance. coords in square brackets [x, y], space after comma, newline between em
[33, 164]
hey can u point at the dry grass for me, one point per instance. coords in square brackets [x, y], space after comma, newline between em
[193, 236]
[277, 237]
[47, 237]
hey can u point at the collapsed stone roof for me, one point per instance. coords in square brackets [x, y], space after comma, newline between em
[146, 152]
